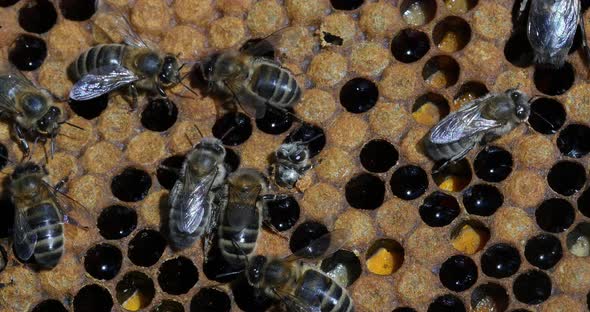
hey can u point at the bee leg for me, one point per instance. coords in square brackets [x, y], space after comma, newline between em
[61, 183]
[134, 96]
[584, 40]
[22, 141]
[521, 9]
[69, 220]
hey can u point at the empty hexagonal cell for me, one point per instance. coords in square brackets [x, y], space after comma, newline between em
[146, 248]
[78, 10]
[468, 92]
[384, 257]
[460, 6]
[378, 156]
[555, 215]
[439, 209]
[573, 141]
[359, 95]
[418, 12]
[584, 203]
[103, 261]
[37, 16]
[50, 305]
[343, 266]
[131, 185]
[135, 291]
[547, 116]
[451, 34]
[543, 251]
[116, 222]
[409, 45]
[275, 121]
[566, 177]
[441, 71]
[554, 81]
[454, 177]
[489, 297]
[210, 299]
[365, 191]
[493, 164]
[27, 52]
[430, 108]
[304, 234]
[482, 199]
[159, 115]
[578, 240]
[518, 50]
[177, 276]
[469, 236]
[346, 5]
[93, 298]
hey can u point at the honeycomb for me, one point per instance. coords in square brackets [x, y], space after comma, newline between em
[506, 229]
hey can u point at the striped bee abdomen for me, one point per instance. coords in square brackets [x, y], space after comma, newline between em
[96, 57]
[238, 233]
[180, 236]
[316, 289]
[275, 85]
[46, 222]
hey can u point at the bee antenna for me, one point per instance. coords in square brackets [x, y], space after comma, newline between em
[71, 125]
[313, 139]
[543, 118]
[198, 130]
[188, 88]
[229, 273]
[7, 159]
[189, 139]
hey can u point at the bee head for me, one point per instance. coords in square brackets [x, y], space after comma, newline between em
[170, 72]
[293, 152]
[49, 124]
[255, 270]
[521, 104]
[206, 156]
[208, 67]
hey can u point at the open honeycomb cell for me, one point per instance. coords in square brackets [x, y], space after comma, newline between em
[506, 229]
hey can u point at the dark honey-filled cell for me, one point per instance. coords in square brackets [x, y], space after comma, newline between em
[566, 177]
[418, 12]
[518, 50]
[458, 273]
[103, 261]
[454, 177]
[116, 222]
[439, 209]
[248, 298]
[231, 160]
[378, 156]
[404, 309]
[93, 298]
[493, 164]
[584, 203]
[283, 212]
[573, 141]
[131, 185]
[168, 306]
[275, 121]
[365, 191]
[500, 261]
[146, 248]
[159, 114]
[233, 129]
[409, 45]
[547, 115]
[409, 182]
[482, 199]
[489, 295]
[469, 91]
[27, 53]
[554, 81]
[169, 171]
[77, 10]
[577, 240]
[555, 215]
[543, 251]
[346, 5]
[7, 3]
[313, 136]
[6, 217]
[447, 303]
[451, 34]
[359, 95]
[177, 276]
[3, 156]
[441, 66]
[135, 286]
[304, 234]
[89, 109]
[210, 299]
[520, 310]
[37, 16]
[50, 305]
[343, 262]
[3, 258]
[532, 287]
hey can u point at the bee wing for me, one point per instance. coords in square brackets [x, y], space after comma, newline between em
[323, 246]
[552, 26]
[465, 122]
[193, 202]
[24, 238]
[264, 47]
[11, 80]
[123, 26]
[101, 81]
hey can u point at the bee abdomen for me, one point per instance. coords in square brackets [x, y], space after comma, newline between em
[179, 236]
[276, 85]
[316, 288]
[96, 57]
[46, 222]
[244, 240]
[449, 150]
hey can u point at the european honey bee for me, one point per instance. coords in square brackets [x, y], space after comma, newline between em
[551, 29]
[134, 65]
[479, 121]
[291, 161]
[199, 194]
[242, 217]
[39, 216]
[31, 110]
[254, 82]
[299, 285]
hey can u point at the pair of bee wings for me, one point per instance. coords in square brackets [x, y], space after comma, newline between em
[10, 82]
[108, 78]
[192, 197]
[466, 122]
[552, 25]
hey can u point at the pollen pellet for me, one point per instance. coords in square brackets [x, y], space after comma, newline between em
[470, 240]
[384, 262]
[449, 42]
[453, 184]
[428, 114]
[133, 303]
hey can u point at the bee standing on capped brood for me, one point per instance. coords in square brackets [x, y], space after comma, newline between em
[29, 108]
[551, 29]
[300, 286]
[479, 121]
[254, 82]
[134, 65]
[39, 217]
[242, 217]
[199, 194]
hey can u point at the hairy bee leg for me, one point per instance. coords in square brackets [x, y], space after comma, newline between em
[22, 141]
[69, 220]
[61, 183]
[134, 97]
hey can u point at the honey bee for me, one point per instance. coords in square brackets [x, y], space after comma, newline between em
[133, 65]
[254, 82]
[479, 121]
[242, 217]
[199, 194]
[552, 27]
[299, 285]
[292, 161]
[39, 217]
[31, 110]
